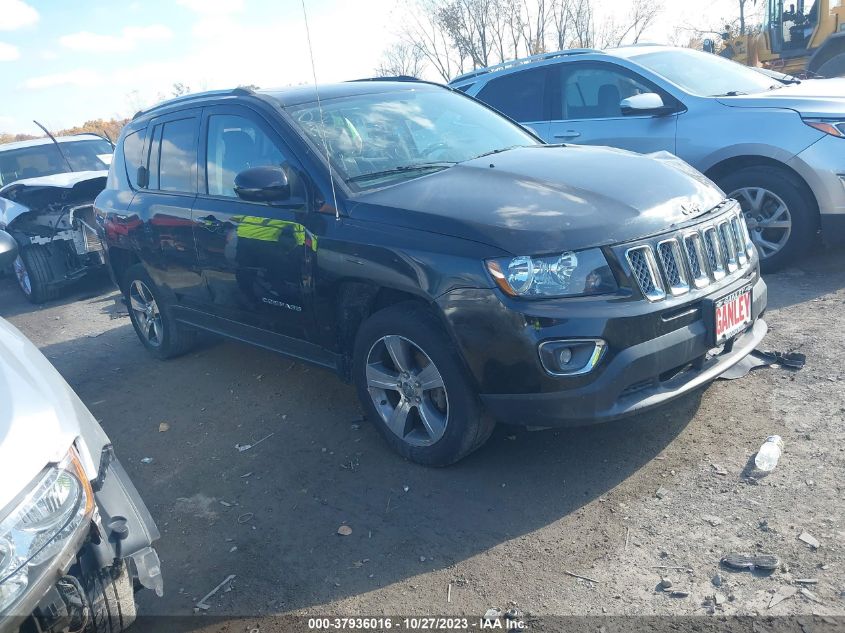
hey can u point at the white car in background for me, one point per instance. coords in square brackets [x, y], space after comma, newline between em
[75, 536]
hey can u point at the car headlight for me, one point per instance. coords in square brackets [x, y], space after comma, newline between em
[38, 527]
[570, 274]
[828, 126]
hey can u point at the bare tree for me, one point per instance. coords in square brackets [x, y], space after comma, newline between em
[642, 15]
[743, 25]
[424, 31]
[400, 59]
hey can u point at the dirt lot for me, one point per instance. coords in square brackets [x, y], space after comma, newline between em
[503, 526]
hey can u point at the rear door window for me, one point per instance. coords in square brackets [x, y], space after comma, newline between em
[521, 95]
[178, 156]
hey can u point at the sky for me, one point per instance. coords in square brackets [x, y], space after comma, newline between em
[64, 63]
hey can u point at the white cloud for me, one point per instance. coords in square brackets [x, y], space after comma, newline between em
[15, 14]
[213, 7]
[49, 55]
[128, 39]
[8, 53]
[81, 77]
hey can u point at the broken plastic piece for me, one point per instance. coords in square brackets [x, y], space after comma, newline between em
[766, 562]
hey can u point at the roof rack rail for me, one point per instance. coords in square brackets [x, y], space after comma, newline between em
[196, 95]
[393, 78]
[525, 60]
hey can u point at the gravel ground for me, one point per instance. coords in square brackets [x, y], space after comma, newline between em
[609, 503]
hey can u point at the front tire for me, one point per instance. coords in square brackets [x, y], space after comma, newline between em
[34, 270]
[152, 317]
[414, 387]
[780, 211]
[111, 600]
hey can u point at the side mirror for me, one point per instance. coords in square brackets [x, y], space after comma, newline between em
[647, 103]
[8, 249]
[262, 184]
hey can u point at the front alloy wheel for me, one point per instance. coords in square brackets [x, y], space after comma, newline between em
[407, 391]
[146, 312]
[768, 218]
[22, 275]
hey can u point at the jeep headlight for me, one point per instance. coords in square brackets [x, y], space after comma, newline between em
[38, 527]
[574, 273]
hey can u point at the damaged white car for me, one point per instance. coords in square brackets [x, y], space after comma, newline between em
[76, 540]
[47, 187]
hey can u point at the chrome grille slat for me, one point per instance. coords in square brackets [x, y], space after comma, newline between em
[696, 258]
[674, 270]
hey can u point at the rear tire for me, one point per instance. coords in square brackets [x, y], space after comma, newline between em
[37, 271]
[779, 187]
[833, 67]
[112, 601]
[444, 423]
[152, 317]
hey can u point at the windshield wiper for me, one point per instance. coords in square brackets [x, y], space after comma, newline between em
[498, 151]
[732, 93]
[402, 169]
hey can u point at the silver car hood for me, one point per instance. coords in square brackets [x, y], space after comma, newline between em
[40, 417]
[10, 210]
[821, 98]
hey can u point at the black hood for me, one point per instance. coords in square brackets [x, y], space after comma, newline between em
[547, 199]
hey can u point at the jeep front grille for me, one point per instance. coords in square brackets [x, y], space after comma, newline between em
[691, 259]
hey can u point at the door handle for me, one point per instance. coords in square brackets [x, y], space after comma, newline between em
[210, 223]
[568, 134]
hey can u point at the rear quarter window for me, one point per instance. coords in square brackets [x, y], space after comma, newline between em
[133, 147]
[521, 96]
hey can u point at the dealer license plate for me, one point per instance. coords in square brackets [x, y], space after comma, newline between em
[733, 314]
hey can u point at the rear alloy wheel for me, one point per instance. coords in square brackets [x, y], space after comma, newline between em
[146, 313]
[414, 387]
[152, 318]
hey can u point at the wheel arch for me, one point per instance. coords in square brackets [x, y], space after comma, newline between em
[357, 300]
[735, 163]
[833, 47]
[120, 260]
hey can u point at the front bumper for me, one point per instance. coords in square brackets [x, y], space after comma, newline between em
[121, 529]
[655, 353]
[822, 166]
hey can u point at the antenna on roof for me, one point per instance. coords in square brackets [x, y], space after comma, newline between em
[320, 108]
[58, 146]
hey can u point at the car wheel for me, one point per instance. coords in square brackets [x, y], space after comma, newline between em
[152, 317]
[414, 387]
[780, 213]
[35, 275]
[111, 601]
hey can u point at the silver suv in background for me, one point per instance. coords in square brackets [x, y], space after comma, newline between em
[774, 143]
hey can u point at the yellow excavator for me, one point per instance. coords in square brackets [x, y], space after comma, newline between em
[805, 38]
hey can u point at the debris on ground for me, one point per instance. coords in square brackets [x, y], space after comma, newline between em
[680, 594]
[344, 530]
[246, 517]
[719, 470]
[809, 539]
[245, 447]
[757, 359]
[569, 573]
[406, 488]
[766, 562]
[665, 583]
[806, 581]
[712, 520]
[767, 457]
[717, 580]
[202, 604]
[147, 460]
[809, 595]
[493, 613]
[164, 427]
[661, 492]
[784, 593]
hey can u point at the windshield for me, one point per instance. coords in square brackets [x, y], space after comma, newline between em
[378, 139]
[704, 74]
[45, 160]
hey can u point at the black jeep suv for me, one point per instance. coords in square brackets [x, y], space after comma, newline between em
[453, 266]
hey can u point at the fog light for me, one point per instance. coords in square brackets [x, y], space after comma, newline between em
[571, 357]
[564, 356]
